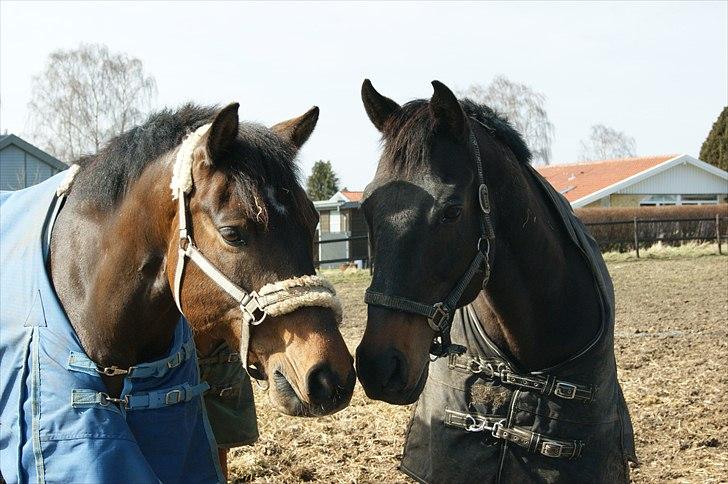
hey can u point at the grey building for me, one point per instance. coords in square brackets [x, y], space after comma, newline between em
[23, 165]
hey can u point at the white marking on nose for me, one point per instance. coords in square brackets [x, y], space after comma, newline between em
[270, 194]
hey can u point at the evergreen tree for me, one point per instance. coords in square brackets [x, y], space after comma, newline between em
[715, 146]
[323, 182]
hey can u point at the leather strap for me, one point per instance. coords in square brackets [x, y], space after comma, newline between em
[531, 441]
[497, 369]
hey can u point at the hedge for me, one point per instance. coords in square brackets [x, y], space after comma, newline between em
[613, 228]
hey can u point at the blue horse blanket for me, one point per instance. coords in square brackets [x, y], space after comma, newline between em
[56, 424]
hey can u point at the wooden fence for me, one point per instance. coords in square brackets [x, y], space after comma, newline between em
[618, 235]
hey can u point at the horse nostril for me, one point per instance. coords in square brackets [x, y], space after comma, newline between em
[322, 384]
[394, 378]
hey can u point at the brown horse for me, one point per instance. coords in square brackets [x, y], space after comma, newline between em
[470, 243]
[115, 248]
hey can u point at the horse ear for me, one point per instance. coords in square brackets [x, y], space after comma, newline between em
[446, 109]
[223, 131]
[298, 130]
[379, 108]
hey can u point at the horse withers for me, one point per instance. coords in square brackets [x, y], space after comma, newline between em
[190, 214]
[490, 305]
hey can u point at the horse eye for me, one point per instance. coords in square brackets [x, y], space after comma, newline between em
[232, 235]
[451, 213]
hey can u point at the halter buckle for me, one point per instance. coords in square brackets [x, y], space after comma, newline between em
[248, 314]
[442, 315]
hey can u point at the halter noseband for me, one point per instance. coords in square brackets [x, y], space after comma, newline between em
[440, 315]
[274, 299]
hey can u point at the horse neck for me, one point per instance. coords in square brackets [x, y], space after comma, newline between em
[540, 304]
[109, 270]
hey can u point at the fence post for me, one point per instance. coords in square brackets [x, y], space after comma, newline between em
[717, 232]
[636, 239]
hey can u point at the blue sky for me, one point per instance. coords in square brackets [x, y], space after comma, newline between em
[658, 71]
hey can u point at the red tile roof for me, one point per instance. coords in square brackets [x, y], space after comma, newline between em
[352, 196]
[578, 180]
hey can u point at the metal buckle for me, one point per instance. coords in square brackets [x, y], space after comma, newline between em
[172, 397]
[472, 425]
[106, 399]
[441, 315]
[233, 357]
[485, 252]
[112, 371]
[498, 430]
[185, 241]
[552, 449]
[565, 390]
[251, 317]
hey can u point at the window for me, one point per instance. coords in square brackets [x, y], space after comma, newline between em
[659, 200]
[335, 221]
[699, 199]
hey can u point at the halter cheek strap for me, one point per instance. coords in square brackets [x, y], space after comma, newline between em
[440, 315]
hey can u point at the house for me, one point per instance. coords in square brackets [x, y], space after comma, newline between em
[339, 218]
[23, 165]
[643, 181]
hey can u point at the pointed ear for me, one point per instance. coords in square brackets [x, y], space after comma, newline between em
[298, 130]
[445, 107]
[223, 131]
[378, 108]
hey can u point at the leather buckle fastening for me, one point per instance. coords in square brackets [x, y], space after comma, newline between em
[173, 397]
[552, 449]
[565, 390]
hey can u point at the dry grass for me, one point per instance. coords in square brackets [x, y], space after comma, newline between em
[672, 351]
[661, 251]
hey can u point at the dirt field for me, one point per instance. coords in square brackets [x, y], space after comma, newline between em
[672, 351]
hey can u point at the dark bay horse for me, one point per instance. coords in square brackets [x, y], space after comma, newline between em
[229, 247]
[482, 268]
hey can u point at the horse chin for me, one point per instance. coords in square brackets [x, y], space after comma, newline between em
[411, 394]
[286, 399]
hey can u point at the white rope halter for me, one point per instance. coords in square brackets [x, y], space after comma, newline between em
[275, 299]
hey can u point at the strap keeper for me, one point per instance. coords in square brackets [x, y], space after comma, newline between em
[175, 360]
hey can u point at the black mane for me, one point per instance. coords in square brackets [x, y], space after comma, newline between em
[262, 158]
[408, 134]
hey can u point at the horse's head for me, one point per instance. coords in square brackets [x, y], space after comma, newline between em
[250, 218]
[423, 213]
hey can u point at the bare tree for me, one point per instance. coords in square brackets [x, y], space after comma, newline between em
[605, 143]
[524, 108]
[86, 96]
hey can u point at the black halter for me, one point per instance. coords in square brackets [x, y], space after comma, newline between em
[440, 315]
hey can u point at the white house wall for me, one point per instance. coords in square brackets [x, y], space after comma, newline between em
[685, 179]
